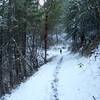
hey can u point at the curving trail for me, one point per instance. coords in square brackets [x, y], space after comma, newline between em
[62, 79]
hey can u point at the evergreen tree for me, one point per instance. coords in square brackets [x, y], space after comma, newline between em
[82, 25]
[20, 31]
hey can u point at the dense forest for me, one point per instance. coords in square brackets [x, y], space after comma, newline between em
[26, 30]
[82, 23]
[23, 36]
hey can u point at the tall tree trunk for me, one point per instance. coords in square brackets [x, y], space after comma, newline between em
[45, 38]
[1, 90]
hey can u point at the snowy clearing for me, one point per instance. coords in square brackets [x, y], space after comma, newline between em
[67, 77]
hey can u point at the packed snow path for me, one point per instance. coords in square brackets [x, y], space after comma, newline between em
[66, 77]
[54, 84]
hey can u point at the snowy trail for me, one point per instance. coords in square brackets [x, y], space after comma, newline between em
[54, 84]
[38, 87]
[78, 83]
[62, 79]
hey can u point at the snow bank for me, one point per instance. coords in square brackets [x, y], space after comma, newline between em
[79, 78]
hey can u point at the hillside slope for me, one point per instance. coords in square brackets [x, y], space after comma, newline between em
[66, 77]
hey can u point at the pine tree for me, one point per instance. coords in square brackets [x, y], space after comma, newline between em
[82, 25]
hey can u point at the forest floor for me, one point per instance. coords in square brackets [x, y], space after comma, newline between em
[67, 77]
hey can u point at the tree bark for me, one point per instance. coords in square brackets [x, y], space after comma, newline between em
[45, 38]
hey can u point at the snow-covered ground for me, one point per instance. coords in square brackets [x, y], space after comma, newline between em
[66, 77]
